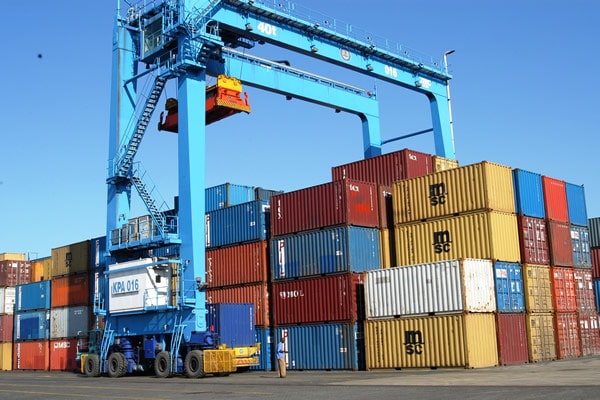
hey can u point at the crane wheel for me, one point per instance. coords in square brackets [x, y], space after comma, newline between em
[117, 365]
[92, 365]
[162, 364]
[194, 364]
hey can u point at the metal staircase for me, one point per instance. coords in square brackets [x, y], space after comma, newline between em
[176, 338]
[107, 340]
[150, 197]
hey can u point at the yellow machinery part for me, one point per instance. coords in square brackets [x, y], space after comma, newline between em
[219, 361]
[84, 357]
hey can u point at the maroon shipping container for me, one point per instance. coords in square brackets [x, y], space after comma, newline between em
[555, 199]
[589, 334]
[512, 338]
[31, 355]
[564, 297]
[322, 299]
[387, 168]
[595, 262]
[567, 335]
[236, 265]
[6, 328]
[533, 240]
[561, 248]
[343, 202]
[584, 290]
[386, 213]
[70, 290]
[63, 355]
[13, 273]
[257, 294]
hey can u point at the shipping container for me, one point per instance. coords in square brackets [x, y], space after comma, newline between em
[233, 322]
[561, 245]
[331, 250]
[589, 333]
[6, 327]
[71, 259]
[484, 186]
[567, 335]
[533, 240]
[7, 300]
[594, 225]
[241, 223]
[576, 204]
[70, 290]
[453, 238]
[41, 269]
[511, 332]
[32, 296]
[66, 322]
[63, 354]
[430, 289]
[555, 199]
[336, 346]
[529, 194]
[443, 163]
[12, 257]
[98, 253]
[456, 340]
[256, 294]
[537, 286]
[235, 265]
[580, 241]
[32, 325]
[342, 202]
[14, 273]
[265, 194]
[584, 290]
[387, 245]
[386, 210]
[6, 356]
[330, 298]
[595, 257]
[227, 195]
[509, 287]
[266, 353]
[563, 289]
[386, 168]
[597, 294]
[34, 355]
[540, 336]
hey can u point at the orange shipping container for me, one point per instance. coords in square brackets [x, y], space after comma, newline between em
[63, 354]
[540, 334]
[563, 290]
[31, 355]
[70, 290]
[257, 294]
[537, 286]
[71, 259]
[236, 265]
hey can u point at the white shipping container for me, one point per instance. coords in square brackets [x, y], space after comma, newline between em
[65, 322]
[7, 300]
[465, 285]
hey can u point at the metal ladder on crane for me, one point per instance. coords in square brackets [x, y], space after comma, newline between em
[176, 338]
[107, 339]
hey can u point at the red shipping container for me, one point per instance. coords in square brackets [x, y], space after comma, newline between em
[6, 327]
[31, 355]
[512, 338]
[589, 334]
[257, 294]
[563, 289]
[555, 199]
[63, 354]
[561, 247]
[584, 290]
[13, 273]
[387, 168]
[596, 262]
[322, 299]
[236, 265]
[533, 240]
[567, 335]
[386, 213]
[343, 202]
[70, 290]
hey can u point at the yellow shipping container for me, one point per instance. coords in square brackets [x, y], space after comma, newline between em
[71, 259]
[12, 256]
[456, 340]
[41, 269]
[6, 352]
[477, 187]
[443, 163]
[540, 335]
[388, 248]
[537, 285]
[488, 235]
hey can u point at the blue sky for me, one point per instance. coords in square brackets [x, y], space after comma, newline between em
[524, 94]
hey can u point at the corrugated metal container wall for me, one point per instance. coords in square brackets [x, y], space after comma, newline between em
[32, 296]
[98, 253]
[6, 327]
[6, 356]
[38, 270]
[71, 259]
[589, 334]
[477, 187]
[597, 293]
[584, 290]
[443, 163]
[387, 244]
[63, 355]
[540, 333]
[343, 202]
[386, 168]
[256, 294]
[14, 273]
[386, 206]
[561, 245]
[426, 289]
[452, 238]
[555, 199]
[580, 242]
[235, 265]
[227, 195]
[33, 355]
[65, 322]
[327, 251]
[537, 286]
[7, 300]
[595, 255]
[594, 225]
[321, 299]
[32, 325]
[70, 290]
[339, 346]
[567, 335]
[563, 289]
[512, 339]
[267, 350]
[509, 287]
[529, 194]
[237, 224]
[533, 240]
[576, 204]
[233, 322]
[457, 340]
[265, 194]
[12, 256]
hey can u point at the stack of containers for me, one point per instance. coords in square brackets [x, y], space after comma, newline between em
[322, 238]
[594, 225]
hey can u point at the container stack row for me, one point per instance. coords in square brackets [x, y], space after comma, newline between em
[594, 227]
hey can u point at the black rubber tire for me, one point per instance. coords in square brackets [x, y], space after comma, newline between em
[194, 364]
[116, 365]
[92, 365]
[162, 364]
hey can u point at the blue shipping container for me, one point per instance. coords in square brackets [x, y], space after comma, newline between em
[32, 325]
[529, 196]
[266, 354]
[98, 253]
[233, 322]
[597, 294]
[576, 204]
[331, 250]
[580, 238]
[242, 223]
[32, 296]
[323, 346]
[509, 287]
[227, 195]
